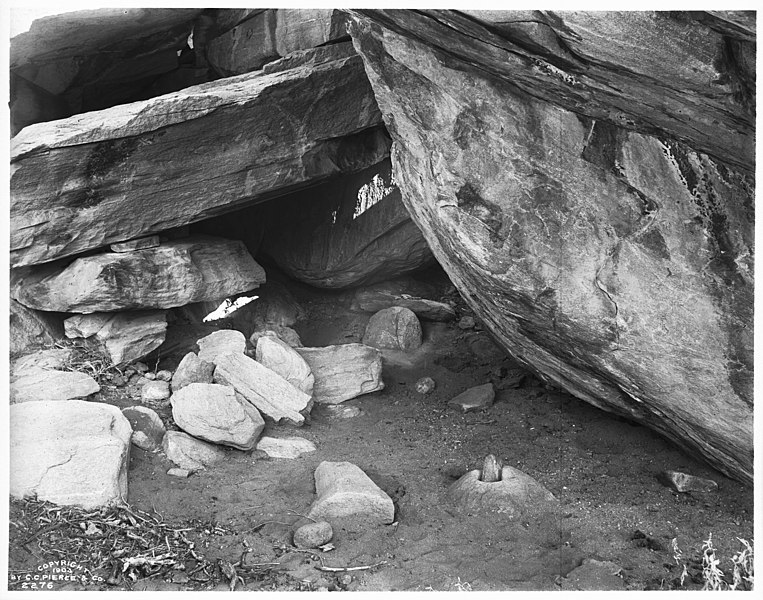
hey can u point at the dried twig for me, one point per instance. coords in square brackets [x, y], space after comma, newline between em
[343, 569]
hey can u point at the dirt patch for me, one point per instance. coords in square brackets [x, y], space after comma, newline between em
[602, 469]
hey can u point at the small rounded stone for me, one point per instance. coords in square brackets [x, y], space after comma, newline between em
[425, 385]
[150, 376]
[155, 390]
[466, 322]
[313, 535]
[164, 375]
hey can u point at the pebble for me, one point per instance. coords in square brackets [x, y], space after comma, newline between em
[150, 376]
[425, 385]
[313, 535]
[466, 322]
[164, 375]
[140, 367]
[337, 411]
[681, 482]
[178, 472]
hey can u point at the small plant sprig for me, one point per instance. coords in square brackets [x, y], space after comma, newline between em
[743, 575]
[744, 567]
[711, 574]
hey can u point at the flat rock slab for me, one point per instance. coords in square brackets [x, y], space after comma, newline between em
[69, 453]
[270, 393]
[682, 482]
[174, 274]
[189, 453]
[145, 420]
[376, 298]
[343, 371]
[212, 413]
[475, 398]
[282, 359]
[94, 179]
[285, 447]
[152, 241]
[36, 384]
[594, 575]
[225, 341]
[54, 358]
[192, 369]
[130, 336]
[515, 493]
[344, 491]
[397, 328]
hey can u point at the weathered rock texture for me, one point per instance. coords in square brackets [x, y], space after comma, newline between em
[174, 274]
[131, 335]
[29, 329]
[515, 493]
[36, 384]
[344, 371]
[192, 369]
[224, 144]
[377, 297]
[282, 359]
[345, 232]
[189, 453]
[71, 452]
[395, 327]
[217, 343]
[585, 179]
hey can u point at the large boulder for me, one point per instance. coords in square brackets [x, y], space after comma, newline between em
[345, 232]
[212, 413]
[217, 343]
[91, 180]
[36, 384]
[344, 371]
[176, 273]
[396, 327]
[270, 393]
[606, 243]
[69, 453]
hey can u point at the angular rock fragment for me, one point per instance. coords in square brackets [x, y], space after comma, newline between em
[425, 385]
[212, 413]
[173, 274]
[130, 336]
[146, 421]
[189, 453]
[313, 535]
[287, 334]
[475, 398]
[29, 329]
[513, 494]
[270, 393]
[682, 482]
[177, 472]
[85, 326]
[396, 328]
[152, 241]
[344, 371]
[155, 391]
[225, 341]
[282, 359]
[285, 447]
[52, 359]
[192, 370]
[69, 453]
[345, 492]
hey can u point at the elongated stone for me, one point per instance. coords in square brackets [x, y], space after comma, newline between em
[173, 274]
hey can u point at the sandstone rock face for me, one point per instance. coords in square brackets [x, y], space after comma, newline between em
[211, 412]
[69, 453]
[192, 370]
[606, 244]
[270, 393]
[130, 336]
[396, 327]
[225, 341]
[282, 359]
[173, 274]
[71, 179]
[345, 232]
[189, 453]
[344, 492]
[344, 371]
[273, 33]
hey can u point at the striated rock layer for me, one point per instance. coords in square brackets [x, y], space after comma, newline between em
[136, 169]
[584, 179]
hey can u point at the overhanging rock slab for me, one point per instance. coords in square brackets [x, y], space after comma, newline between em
[136, 169]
